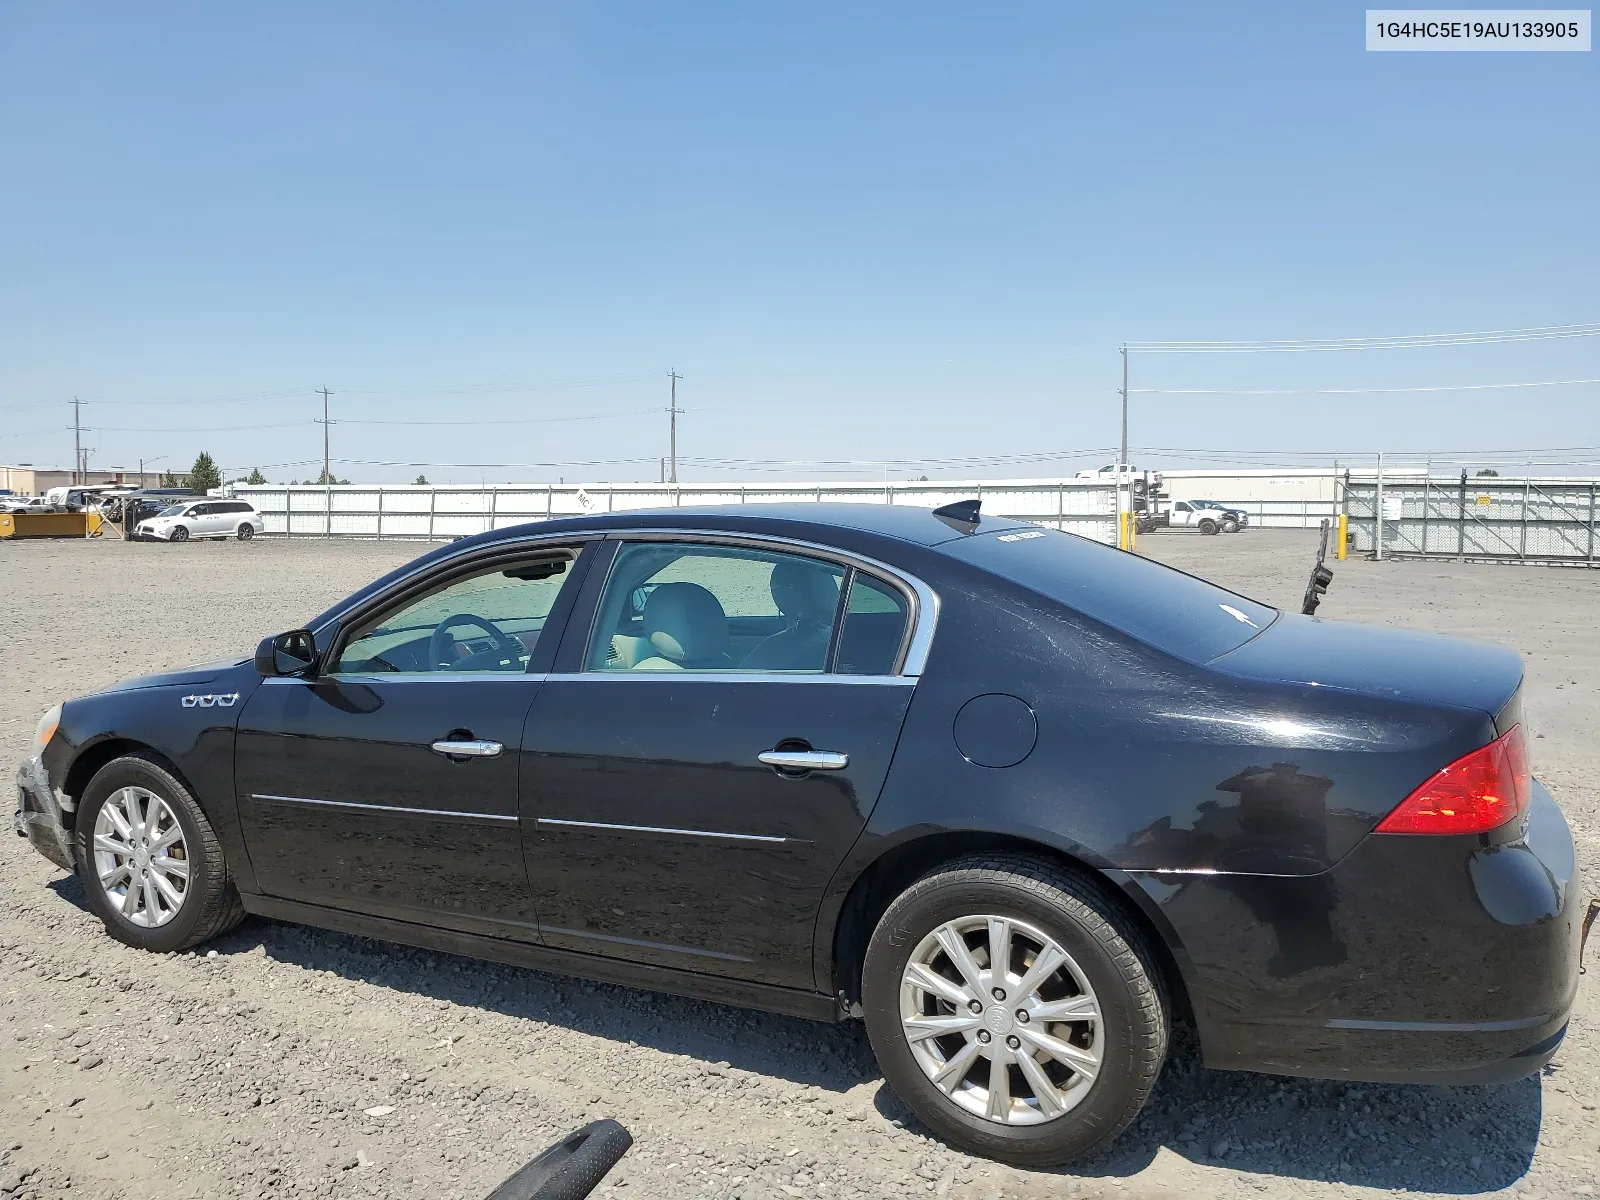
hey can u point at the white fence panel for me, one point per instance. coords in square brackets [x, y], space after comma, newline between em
[445, 511]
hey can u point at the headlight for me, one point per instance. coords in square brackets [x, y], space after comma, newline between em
[46, 729]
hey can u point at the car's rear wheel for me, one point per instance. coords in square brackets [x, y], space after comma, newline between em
[150, 861]
[180, 534]
[246, 532]
[1015, 1009]
[1208, 526]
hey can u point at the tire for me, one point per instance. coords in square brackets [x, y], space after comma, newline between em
[1230, 526]
[1109, 967]
[1208, 526]
[246, 532]
[208, 903]
[179, 534]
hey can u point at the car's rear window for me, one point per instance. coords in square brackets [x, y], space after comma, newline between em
[1165, 608]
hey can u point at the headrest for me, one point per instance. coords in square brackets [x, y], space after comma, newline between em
[685, 623]
[804, 591]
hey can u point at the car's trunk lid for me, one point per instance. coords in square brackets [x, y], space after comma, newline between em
[1397, 664]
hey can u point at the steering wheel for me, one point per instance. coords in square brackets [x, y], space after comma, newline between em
[440, 643]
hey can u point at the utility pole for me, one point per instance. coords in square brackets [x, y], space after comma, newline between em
[77, 443]
[326, 477]
[1122, 454]
[673, 410]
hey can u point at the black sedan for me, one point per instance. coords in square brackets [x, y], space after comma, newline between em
[1018, 800]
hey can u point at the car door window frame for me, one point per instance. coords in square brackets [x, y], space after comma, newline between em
[922, 610]
[436, 577]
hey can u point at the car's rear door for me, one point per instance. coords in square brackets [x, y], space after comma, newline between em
[387, 784]
[688, 808]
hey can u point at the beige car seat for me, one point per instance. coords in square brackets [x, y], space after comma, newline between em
[686, 628]
[807, 596]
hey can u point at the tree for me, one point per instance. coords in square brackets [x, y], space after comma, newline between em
[326, 478]
[169, 480]
[256, 476]
[422, 480]
[204, 476]
[1489, 471]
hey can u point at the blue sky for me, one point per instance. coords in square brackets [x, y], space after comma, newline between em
[860, 232]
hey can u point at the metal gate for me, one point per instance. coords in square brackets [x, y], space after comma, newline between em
[1504, 520]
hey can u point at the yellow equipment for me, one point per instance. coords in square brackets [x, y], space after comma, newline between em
[63, 524]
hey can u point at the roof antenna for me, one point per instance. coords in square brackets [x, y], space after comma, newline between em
[962, 516]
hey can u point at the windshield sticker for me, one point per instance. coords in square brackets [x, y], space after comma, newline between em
[1020, 537]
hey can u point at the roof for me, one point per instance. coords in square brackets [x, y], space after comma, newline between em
[901, 522]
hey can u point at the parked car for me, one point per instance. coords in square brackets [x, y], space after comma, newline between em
[1205, 516]
[24, 504]
[200, 519]
[1018, 800]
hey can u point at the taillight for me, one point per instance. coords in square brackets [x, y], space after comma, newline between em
[1476, 793]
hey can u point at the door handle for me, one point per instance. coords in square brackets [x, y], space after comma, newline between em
[805, 760]
[467, 749]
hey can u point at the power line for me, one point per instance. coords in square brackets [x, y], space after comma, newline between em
[506, 420]
[1441, 387]
[1404, 342]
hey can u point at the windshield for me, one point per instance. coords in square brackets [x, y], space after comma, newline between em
[1162, 607]
[172, 510]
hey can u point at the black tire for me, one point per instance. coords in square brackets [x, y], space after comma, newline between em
[1114, 957]
[1208, 526]
[180, 534]
[210, 904]
[1230, 526]
[246, 532]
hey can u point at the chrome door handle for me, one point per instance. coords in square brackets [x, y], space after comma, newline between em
[468, 749]
[805, 760]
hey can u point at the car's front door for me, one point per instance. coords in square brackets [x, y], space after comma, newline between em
[709, 753]
[387, 783]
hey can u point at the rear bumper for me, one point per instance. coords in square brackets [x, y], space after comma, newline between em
[1412, 960]
[38, 816]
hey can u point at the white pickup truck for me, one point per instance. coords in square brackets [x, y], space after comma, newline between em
[1111, 473]
[1207, 516]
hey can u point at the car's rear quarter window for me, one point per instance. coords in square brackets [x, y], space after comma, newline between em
[1163, 607]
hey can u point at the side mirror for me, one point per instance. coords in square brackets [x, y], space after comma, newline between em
[292, 653]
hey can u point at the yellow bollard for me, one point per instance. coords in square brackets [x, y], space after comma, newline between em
[1344, 526]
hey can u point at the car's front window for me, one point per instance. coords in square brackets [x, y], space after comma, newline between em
[172, 510]
[486, 621]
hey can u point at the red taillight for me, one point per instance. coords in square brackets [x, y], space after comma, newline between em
[1476, 793]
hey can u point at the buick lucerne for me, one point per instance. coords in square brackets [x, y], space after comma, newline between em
[1017, 800]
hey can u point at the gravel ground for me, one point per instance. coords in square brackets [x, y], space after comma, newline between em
[284, 1061]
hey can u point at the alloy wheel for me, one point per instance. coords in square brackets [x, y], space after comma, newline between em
[1002, 1020]
[141, 857]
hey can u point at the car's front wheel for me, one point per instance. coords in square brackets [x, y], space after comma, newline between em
[180, 534]
[1015, 1009]
[1230, 526]
[150, 861]
[1208, 526]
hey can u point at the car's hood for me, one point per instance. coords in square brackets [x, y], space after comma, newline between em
[1397, 664]
[183, 677]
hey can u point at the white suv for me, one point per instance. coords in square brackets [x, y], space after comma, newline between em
[202, 518]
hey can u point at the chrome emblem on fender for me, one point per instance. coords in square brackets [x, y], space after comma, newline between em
[224, 700]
